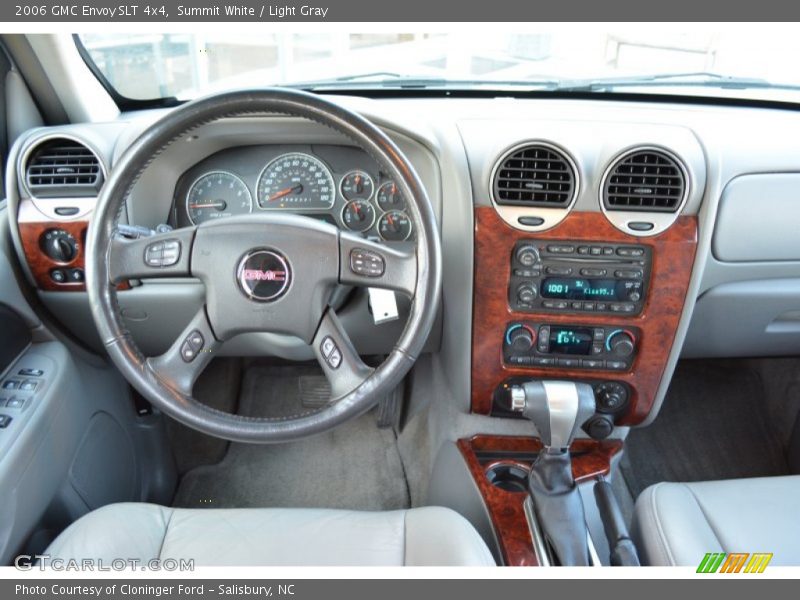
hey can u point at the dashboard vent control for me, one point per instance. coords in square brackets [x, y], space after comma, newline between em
[63, 168]
[645, 180]
[534, 175]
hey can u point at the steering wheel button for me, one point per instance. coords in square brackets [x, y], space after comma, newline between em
[334, 359]
[327, 346]
[195, 341]
[187, 352]
[366, 263]
[5, 421]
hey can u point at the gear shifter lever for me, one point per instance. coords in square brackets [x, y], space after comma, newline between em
[557, 409]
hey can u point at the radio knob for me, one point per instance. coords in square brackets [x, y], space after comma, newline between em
[621, 343]
[526, 293]
[527, 256]
[521, 339]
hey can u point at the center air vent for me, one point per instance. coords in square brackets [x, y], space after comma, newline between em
[645, 180]
[534, 175]
[63, 168]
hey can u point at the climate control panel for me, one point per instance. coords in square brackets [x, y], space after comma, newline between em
[529, 344]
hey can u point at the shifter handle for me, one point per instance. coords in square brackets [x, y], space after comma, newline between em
[557, 409]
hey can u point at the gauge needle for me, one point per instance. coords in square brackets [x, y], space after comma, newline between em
[391, 221]
[296, 189]
[219, 205]
[359, 187]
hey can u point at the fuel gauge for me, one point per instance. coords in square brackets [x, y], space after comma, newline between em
[358, 215]
[394, 226]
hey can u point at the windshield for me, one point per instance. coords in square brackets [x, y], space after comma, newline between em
[734, 63]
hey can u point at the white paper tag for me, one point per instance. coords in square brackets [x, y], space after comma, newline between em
[383, 304]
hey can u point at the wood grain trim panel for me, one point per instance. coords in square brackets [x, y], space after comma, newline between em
[673, 258]
[591, 459]
[32, 225]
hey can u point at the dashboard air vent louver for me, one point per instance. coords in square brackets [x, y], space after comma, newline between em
[645, 180]
[63, 168]
[534, 175]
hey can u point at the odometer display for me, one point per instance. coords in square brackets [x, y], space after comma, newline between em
[296, 181]
[216, 195]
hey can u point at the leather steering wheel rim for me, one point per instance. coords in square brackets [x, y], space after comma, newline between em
[153, 378]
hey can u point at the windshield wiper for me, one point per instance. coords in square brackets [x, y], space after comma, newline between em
[695, 79]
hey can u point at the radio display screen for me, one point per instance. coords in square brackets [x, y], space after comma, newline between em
[572, 288]
[570, 340]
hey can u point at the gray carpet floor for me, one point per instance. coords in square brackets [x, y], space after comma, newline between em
[714, 424]
[354, 466]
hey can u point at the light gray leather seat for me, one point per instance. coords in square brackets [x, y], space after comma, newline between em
[678, 523]
[274, 536]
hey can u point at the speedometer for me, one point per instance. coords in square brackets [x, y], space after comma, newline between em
[216, 195]
[296, 181]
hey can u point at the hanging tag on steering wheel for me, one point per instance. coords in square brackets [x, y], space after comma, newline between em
[383, 305]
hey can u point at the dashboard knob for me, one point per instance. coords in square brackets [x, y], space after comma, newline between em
[621, 343]
[526, 293]
[521, 338]
[527, 256]
[60, 245]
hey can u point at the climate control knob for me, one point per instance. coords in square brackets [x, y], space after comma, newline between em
[520, 338]
[527, 255]
[621, 343]
[526, 293]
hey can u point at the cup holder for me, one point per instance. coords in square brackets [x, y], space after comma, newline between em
[508, 476]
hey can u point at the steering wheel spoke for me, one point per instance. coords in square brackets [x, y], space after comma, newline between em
[161, 255]
[181, 365]
[366, 263]
[337, 356]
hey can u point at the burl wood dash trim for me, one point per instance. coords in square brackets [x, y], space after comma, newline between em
[673, 258]
[590, 460]
[40, 264]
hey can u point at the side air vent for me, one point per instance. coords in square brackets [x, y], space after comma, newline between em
[63, 168]
[534, 175]
[645, 180]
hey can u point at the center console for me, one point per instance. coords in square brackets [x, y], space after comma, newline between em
[583, 303]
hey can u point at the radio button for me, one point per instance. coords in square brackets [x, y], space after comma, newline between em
[624, 251]
[601, 306]
[561, 249]
[628, 307]
[592, 363]
[548, 304]
[628, 274]
[583, 249]
[543, 361]
[616, 365]
[588, 306]
[569, 363]
[559, 270]
[599, 335]
[608, 250]
[561, 304]
[593, 272]
[577, 305]
[595, 250]
[597, 348]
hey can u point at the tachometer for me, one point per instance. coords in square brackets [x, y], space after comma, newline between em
[296, 181]
[216, 195]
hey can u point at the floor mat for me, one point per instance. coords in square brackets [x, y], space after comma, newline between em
[354, 466]
[713, 425]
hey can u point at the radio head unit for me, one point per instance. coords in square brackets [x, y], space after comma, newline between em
[576, 276]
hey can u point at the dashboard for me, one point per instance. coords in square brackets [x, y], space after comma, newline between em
[657, 231]
[338, 184]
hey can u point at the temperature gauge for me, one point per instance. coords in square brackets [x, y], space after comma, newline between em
[357, 185]
[358, 215]
[394, 226]
[389, 197]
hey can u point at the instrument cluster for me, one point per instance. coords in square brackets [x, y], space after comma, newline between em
[339, 184]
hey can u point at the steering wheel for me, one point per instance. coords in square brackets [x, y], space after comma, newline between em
[263, 273]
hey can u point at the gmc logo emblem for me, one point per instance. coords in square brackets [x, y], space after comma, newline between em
[258, 275]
